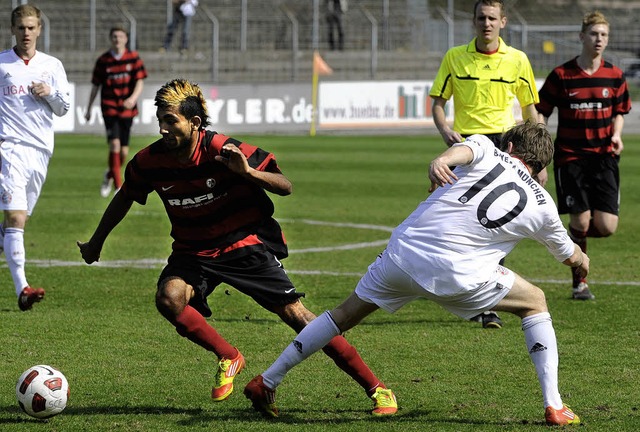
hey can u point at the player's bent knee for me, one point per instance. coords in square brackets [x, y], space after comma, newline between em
[538, 301]
[172, 296]
[295, 315]
[607, 230]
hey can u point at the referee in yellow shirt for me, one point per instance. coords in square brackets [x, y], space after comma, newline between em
[484, 77]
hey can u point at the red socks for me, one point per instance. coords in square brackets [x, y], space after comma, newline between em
[193, 326]
[347, 358]
[114, 169]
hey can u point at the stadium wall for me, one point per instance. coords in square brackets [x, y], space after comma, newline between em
[364, 107]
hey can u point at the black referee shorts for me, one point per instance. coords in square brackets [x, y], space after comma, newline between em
[259, 275]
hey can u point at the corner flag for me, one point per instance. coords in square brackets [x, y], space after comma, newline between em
[320, 67]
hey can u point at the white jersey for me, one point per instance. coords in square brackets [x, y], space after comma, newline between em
[25, 118]
[455, 238]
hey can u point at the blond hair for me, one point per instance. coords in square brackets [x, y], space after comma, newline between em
[593, 18]
[186, 96]
[24, 11]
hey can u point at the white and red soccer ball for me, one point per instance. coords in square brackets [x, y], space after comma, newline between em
[42, 391]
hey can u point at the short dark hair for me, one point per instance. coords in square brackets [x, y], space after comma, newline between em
[498, 3]
[532, 143]
[118, 27]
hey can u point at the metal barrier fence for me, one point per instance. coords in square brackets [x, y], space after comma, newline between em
[271, 41]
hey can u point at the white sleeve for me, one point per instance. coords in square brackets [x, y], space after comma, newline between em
[555, 238]
[60, 98]
[479, 145]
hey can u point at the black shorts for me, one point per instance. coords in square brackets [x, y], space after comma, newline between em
[118, 128]
[259, 275]
[588, 184]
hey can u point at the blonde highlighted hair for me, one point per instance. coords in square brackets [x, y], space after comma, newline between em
[593, 18]
[186, 96]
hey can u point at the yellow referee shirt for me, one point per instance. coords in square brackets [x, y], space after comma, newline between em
[484, 86]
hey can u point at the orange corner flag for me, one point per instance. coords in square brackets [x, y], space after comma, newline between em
[320, 67]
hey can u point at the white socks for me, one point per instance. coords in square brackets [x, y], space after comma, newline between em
[540, 338]
[312, 338]
[14, 250]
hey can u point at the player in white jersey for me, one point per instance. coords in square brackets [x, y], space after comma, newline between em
[448, 250]
[33, 87]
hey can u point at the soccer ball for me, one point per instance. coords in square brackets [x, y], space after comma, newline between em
[42, 391]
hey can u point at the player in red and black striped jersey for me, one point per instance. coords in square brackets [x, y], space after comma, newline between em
[213, 190]
[592, 97]
[119, 75]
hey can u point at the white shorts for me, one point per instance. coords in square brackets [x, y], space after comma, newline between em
[23, 171]
[389, 287]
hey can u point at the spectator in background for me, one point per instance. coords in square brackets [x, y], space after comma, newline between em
[592, 97]
[183, 12]
[484, 78]
[35, 88]
[335, 10]
[119, 73]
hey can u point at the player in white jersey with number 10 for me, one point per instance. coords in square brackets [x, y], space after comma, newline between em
[33, 87]
[448, 251]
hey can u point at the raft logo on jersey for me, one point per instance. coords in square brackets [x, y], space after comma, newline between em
[586, 106]
[197, 201]
[7, 75]
[211, 183]
[605, 93]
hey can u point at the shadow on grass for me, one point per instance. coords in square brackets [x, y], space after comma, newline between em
[21, 417]
[345, 417]
[13, 415]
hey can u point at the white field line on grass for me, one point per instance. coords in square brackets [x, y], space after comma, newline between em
[159, 263]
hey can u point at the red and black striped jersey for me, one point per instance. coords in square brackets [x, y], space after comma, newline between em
[117, 78]
[212, 210]
[587, 106]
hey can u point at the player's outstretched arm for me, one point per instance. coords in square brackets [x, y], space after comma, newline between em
[115, 212]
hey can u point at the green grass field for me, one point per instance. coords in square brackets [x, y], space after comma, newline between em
[130, 371]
